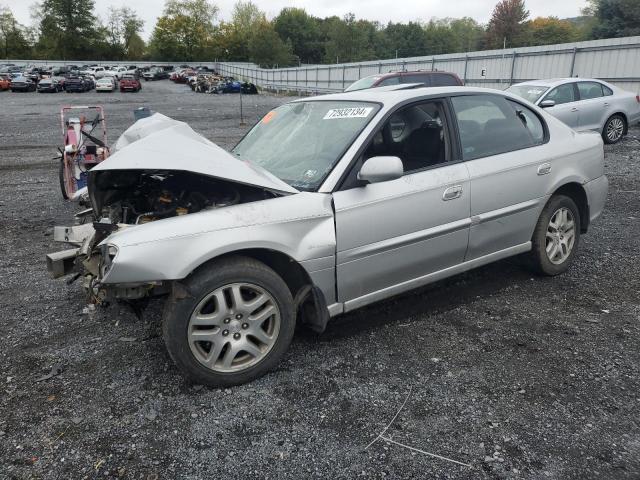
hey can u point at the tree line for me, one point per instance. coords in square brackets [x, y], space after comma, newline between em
[190, 31]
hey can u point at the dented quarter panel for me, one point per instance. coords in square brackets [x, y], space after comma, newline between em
[300, 226]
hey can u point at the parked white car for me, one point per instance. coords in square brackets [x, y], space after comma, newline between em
[96, 72]
[106, 84]
[584, 104]
[119, 72]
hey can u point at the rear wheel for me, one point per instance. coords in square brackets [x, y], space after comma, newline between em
[556, 236]
[233, 325]
[614, 129]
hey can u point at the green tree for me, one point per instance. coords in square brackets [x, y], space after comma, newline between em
[184, 31]
[246, 18]
[348, 39]
[303, 31]
[405, 40]
[13, 38]
[266, 48]
[439, 37]
[506, 24]
[468, 34]
[614, 18]
[68, 28]
[123, 26]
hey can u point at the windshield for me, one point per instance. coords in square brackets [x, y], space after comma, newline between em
[529, 92]
[366, 82]
[301, 142]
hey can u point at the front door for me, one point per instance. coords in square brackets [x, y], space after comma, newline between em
[567, 107]
[390, 234]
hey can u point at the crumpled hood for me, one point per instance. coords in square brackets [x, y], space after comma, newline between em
[159, 142]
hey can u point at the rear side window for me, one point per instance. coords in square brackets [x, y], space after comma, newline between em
[589, 90]
[443, 80]
[389, 81]
[531, 121]
[490, 125]
[416, 79]
[562, 94]
[607, 91]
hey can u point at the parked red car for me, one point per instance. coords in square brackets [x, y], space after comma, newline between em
[130, 83]
[5, 82]
[428, 78]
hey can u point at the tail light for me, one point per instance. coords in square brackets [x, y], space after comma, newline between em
[638, 98]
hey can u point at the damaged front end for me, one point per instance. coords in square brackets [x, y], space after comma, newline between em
[161, 169]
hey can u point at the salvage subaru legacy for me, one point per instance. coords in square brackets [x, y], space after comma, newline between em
[326, 205]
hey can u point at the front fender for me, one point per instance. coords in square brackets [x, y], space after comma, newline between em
[300, 226]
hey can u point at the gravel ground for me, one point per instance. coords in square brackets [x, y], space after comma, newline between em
[513, 375]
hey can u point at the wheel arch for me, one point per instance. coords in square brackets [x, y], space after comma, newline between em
[577, 193]
[310, 302]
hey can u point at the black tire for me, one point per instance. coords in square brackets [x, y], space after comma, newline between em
[61, 178]
[539, 260]
[605, 131]
[205, 280]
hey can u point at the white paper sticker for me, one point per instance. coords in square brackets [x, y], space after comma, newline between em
[350, 112]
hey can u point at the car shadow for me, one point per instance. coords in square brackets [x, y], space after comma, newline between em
[426, 301]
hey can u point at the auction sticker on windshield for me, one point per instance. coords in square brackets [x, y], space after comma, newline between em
[352, 112]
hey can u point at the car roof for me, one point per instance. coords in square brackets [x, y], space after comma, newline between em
[553, 82]
[395, 94]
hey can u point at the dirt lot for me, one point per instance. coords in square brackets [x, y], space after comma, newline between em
[515, 375]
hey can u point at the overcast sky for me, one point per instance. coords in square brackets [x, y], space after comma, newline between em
[381, 10]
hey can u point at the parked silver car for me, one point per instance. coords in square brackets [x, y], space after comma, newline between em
[584, 104]
[327, 204]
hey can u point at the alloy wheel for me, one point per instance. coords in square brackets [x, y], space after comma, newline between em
[615, 129]
[560, 236]
[234, 327]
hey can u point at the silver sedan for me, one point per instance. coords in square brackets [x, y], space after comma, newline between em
[584, 104]
[328, 204]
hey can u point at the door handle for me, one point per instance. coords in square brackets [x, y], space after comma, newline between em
[606, 104]
[574, 109]
[452, 193]
[544, 169]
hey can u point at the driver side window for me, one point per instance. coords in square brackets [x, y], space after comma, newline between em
[563, 94]
[417, 134]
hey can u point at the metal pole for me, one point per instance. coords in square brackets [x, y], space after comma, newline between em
[344, 67]
[573, 61]
[241, 113]
[466, 61]
[513, 66]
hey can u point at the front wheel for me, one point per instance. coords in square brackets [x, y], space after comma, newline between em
[614, 129]
[556, 236]
[233, 323]
[63, 182]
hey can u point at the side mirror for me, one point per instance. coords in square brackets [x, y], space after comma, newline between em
[381, 169]
[547, 103]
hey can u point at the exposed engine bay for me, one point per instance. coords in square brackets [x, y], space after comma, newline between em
[161, 169]
[126, 198]
[136, 197]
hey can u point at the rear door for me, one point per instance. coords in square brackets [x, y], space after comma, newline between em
[508, 157]
[594, 106]
[391, 235]
[567, 108]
